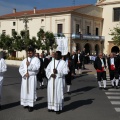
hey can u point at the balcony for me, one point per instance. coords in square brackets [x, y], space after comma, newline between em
[87, 37]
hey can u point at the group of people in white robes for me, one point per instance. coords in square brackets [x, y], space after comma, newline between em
[55, 72]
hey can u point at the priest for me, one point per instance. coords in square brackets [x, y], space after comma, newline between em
[28, 70]
[55, 72]
[3, 68]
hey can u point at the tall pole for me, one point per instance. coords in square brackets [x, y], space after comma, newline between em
[26, 20]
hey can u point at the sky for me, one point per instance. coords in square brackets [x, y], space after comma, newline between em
[6, 6]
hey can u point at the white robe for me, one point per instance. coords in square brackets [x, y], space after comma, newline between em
[27, 99]
[55, 97]
[3, 68]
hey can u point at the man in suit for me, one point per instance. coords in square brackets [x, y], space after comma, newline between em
[73, 61]
[44, 62]
[79, 59]
[113, 66]
[100, 66]
[83, 58]
[52, 56]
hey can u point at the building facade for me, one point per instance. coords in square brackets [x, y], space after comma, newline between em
[82, 25]
[111, 15]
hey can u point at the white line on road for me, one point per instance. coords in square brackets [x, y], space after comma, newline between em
[113, 97]
[117, 109]
[112, 93]
[115, 102]
[116, 90]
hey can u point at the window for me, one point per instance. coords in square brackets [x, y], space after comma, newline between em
[116, 14]
[77, 29]
[97, 31]
[13, 30]
[59, 28]
[43, 27]
[88, 30]
[3, 31]
[14, 23]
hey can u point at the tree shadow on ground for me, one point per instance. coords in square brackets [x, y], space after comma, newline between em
[67, 99]
[40, 105]
[84, 89]
[10, 105]
[76, 104]
[39, 98]
[11, 84]
[77, 76]
[85, 72]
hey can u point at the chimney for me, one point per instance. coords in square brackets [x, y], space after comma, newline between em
[34, 10]
[14, 10]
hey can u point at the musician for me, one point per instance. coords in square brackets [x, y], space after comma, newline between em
[113, 66]
[100, 66]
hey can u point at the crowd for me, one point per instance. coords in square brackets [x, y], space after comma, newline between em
[55, 71]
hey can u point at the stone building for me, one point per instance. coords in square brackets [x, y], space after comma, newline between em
[82, 25]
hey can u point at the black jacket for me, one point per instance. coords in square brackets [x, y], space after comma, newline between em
[116, 63]
[98, 63]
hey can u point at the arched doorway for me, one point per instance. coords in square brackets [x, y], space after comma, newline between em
[97, 49]
[77, 46]
[87, 48]
[115, 49]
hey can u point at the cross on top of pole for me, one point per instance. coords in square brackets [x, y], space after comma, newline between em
[25, 20]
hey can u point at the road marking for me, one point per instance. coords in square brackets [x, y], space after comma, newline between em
[115, 102]
[112, 93]
[117, 109]
[115, 90]
[114, 97]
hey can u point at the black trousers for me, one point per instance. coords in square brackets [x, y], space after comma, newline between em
[68, 78]
[101, 75]
[78, 65]
[114, 74]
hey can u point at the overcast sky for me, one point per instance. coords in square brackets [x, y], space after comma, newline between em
[6, 6]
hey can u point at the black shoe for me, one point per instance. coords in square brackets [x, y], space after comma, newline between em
[42, 86]
[0, 107]
[112, 86]
[49, 110]
[30, 109]
[69, 93]
[117, 87]
[37, 88]
[58, 112]
[25, 107]
[100, 88]
[105, 89]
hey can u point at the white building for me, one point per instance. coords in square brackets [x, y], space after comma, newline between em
[83, 25]
[111, 15]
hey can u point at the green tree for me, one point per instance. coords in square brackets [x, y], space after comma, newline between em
[45, 40]
[6, 43]
[115, 33]
[18, 42]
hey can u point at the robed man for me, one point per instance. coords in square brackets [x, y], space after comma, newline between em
[55, 72]
[3, 68]
[28, 70]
